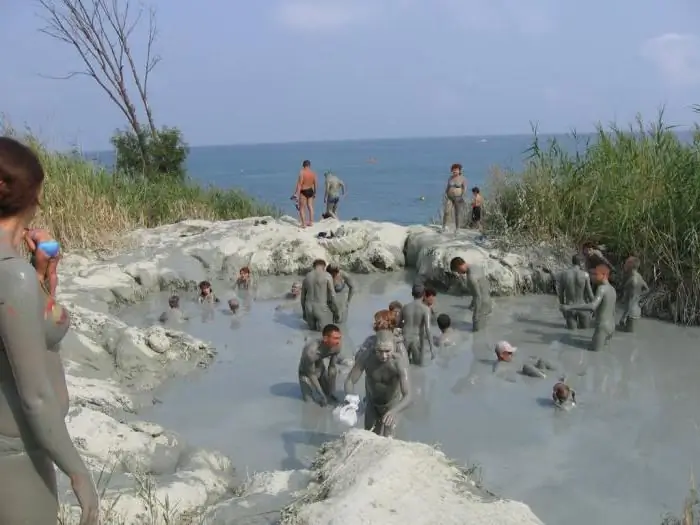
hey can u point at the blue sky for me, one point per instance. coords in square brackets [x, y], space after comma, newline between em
[250, 71]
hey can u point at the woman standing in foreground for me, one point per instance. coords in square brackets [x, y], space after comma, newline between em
[33, 392]
[454, 196]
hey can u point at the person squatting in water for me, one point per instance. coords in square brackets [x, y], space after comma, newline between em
[314, 377]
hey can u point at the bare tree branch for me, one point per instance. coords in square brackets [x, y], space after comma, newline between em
[100, 32]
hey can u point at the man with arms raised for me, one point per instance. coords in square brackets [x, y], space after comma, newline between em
[313, 375]
[387, 385]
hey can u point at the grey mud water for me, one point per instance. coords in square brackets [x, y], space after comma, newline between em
[623, 456]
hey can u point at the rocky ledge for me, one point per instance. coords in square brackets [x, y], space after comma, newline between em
[150, 474]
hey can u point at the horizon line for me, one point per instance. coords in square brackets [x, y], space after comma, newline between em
[386, 139]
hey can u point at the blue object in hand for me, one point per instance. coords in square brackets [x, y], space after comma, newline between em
[50, 248]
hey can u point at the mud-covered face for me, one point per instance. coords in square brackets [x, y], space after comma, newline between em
[205, 290]
[629, 264]
[383, 351]
[333, 340]
[243, 276]
[505, 356]
[429, 300]
[599, 274]
[295, 290]
[462, 269]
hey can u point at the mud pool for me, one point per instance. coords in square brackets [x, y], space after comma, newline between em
[623, 455]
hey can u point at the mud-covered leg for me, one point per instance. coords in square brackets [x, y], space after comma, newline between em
[629, 325]
[584, 320]
[28, 493]
[306, 389]
[420, 354]
[571, 320]
[384, 430]
[372, 421]
[601, 338]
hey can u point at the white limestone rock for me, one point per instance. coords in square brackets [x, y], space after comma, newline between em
[366, 479]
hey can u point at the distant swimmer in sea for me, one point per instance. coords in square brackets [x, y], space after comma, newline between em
[304, 194]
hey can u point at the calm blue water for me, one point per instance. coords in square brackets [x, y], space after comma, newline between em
[387, 190]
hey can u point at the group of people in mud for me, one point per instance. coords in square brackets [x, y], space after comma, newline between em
[454, 202]
[402, 333]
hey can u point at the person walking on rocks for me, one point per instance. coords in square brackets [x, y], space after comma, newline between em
[304, 194]
[334, 189]
[454, 196]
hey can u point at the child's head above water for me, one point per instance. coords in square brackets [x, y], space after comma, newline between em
[233, 305]
[204, 288]
[504, 351]
[443, 322]
[174, 301]
[244, 274]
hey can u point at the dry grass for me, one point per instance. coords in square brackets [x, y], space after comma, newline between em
[635, 191]
[86, 207]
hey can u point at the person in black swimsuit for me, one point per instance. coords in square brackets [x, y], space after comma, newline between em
[304, 194]
[477, 203]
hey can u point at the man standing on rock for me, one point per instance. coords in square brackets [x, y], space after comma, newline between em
[304, 194]
[334, 189]
[318, 302]
[574, 287]
[313, 375]
[415, 319]
[387, 384]
[477, 286]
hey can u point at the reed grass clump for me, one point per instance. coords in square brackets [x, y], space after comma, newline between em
[87, 207]
[635, 191]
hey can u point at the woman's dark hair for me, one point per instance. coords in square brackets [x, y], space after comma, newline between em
[21, 177]
[456, 167]
[476, 189]
[333, 269]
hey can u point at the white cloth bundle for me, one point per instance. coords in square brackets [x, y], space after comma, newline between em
[347, 412]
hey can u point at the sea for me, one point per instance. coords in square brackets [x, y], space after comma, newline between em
[395, 180]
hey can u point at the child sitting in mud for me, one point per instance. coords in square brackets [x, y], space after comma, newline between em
[447, 335]
[563, 395]
[206, 294]
[244, 280]
[173, 314]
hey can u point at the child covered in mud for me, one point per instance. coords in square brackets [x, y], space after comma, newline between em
[173, 314]
[244, 281]
[447, 335]
[563, 395]
[206, 294]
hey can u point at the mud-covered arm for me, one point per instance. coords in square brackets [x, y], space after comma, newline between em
[426, 329]
[21, 322]
[332, 302]
[560, 287]
[304, 293]
[405, 385]
[587, 307]
[350, 283]
[332, 374]
[309, 357]
[355, 373]
[475, 290]
[588, 291]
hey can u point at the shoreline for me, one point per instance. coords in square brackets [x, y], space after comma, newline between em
[112, 369]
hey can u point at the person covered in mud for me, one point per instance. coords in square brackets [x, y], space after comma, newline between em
[603, 306]
[291, 298]
[244, 281]
[385, 320]
[333, 191]
[478, 287]
[574, 287]
[507, 369]
[429, 298]
[477, 208]
[387, 384]
[34, 440]
[233, 305]
[314, 377]
[206, 294]
[344, 287]
[318, 301]
[447, 336]
[563, 395]
[632, 289]
[174, 313]
[415, 319]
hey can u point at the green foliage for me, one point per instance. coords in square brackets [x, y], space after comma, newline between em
[153, 156]
[635, 191]
[85, 206]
